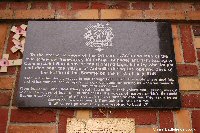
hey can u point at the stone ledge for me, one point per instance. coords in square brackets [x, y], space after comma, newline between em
[171, 15]
[121, 14]
[34, 14]
[77, 14]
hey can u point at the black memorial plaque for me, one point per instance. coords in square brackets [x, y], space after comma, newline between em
[90, 64]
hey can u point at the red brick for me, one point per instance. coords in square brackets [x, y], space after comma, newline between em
[196, 6]
[187, 70]
[196, 30]
[64, 114]
[196, 120]
[18, 5]
[161, 5]
[191, 101]
[196, 41]
[82, 114]
[59, 5]
[39, 5]
[6, 83]
[3, 5]
[183, 119]
[146, 129]
[31, 129]
[189, 83]
[187, 44]
[120, 5]
[3, 120]
[142, 117]
[33, 115]
[5, 97]
[166, 120]
[100, 113]
[99, 5]
[140, 5]
[177, 44]
[182, 6]
[198, 55]
[79, 5]
[16, 85]
[3, 34]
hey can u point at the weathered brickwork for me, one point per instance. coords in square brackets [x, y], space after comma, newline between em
[185, 18]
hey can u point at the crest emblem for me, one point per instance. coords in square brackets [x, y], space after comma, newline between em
[99, 36]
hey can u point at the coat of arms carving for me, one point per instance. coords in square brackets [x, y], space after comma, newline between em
[99, 36]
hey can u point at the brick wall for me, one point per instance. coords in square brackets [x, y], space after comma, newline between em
[185, 18]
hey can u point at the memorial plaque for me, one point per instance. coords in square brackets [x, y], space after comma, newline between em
[101, 125]
[91, 64]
